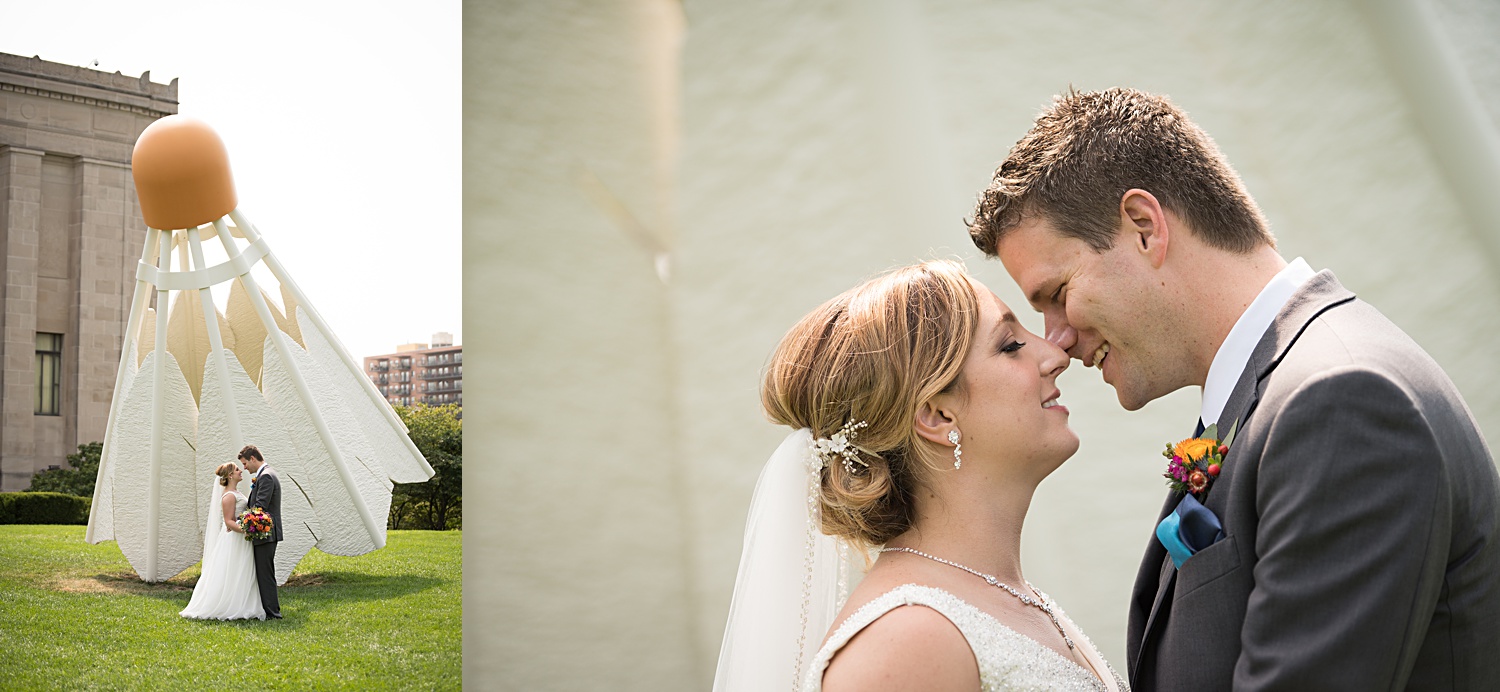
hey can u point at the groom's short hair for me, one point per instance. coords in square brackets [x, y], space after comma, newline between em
[251, 451]
[1089, 148]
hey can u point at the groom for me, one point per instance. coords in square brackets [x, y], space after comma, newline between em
[1351, 536]
[265, 493]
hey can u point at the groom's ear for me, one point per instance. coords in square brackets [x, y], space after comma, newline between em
[1145, 225]
[933, 421]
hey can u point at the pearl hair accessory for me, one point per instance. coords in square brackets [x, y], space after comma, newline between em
[841, 446]
[958, 449]
[821, 451]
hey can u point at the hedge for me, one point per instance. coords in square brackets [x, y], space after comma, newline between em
[43, 508]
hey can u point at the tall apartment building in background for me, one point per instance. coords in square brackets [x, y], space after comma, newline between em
[70, 238]
[431, 374]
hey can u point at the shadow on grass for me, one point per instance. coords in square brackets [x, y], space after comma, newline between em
[315, 588]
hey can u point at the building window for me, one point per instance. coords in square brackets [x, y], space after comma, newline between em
[48, 374]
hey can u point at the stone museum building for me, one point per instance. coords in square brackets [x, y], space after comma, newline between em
[70, 237]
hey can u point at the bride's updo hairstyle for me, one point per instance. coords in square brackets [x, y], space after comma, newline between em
[875, 354]
[224, 472]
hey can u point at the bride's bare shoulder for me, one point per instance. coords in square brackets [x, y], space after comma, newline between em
[910, 647]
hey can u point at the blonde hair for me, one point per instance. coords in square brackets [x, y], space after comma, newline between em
[875, 353]
[225, 472]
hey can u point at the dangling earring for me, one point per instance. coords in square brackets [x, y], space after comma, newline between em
[958, 450]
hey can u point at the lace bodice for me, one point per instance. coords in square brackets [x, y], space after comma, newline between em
[1007, 659]
[240, 502]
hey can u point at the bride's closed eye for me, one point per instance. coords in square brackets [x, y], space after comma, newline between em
[1012, 347]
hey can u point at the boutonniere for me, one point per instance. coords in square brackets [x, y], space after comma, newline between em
[1194, 463]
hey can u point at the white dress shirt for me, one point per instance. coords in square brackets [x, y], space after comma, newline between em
[1235, 352]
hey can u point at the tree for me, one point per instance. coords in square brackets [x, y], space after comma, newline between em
[438, 433]
[78, 480]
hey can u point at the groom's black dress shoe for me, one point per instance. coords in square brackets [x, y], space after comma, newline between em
[275, 616]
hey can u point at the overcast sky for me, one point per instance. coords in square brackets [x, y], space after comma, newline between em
[343, 124]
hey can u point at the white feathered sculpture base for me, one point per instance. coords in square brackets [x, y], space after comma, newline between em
[194, 388]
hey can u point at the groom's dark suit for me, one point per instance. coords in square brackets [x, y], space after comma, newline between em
[1361, 513]
[266, 494]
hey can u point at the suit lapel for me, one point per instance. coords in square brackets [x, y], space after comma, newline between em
[1154, 580]
[1240, 403]
[259, 483]
[1319, 294]
[1236, 414]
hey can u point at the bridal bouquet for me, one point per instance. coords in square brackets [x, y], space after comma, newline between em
[256, 523]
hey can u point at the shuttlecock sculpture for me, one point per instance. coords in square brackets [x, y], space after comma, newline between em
[196, 385]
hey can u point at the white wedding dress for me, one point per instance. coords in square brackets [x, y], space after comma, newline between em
[1007, 659]
[793, 581]
[227, 589]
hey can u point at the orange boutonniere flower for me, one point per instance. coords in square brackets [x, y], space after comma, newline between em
[1194, 463]
[1194, 449]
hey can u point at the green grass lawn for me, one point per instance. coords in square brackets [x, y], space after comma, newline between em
[75, 616]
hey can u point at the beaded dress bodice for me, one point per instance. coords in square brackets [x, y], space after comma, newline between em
[1007, 659]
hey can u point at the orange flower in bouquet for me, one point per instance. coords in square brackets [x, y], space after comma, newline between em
[256, 523]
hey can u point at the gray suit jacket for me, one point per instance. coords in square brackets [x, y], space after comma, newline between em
[266, 494]
[1361, 512]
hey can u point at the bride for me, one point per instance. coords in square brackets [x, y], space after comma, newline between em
[226, 590]
[926, 416]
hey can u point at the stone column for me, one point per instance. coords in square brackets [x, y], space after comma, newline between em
[21, 197]
[108, 238]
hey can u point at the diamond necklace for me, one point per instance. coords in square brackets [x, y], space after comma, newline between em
[1025, 599]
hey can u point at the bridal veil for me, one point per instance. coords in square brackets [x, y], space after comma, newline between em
[215, 525]
[792, 580]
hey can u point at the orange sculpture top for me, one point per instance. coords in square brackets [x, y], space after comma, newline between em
[182, 176]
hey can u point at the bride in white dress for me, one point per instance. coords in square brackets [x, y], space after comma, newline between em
[926, 416]
[226, 589]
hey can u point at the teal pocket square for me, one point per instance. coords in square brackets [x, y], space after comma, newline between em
[1188, 529]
